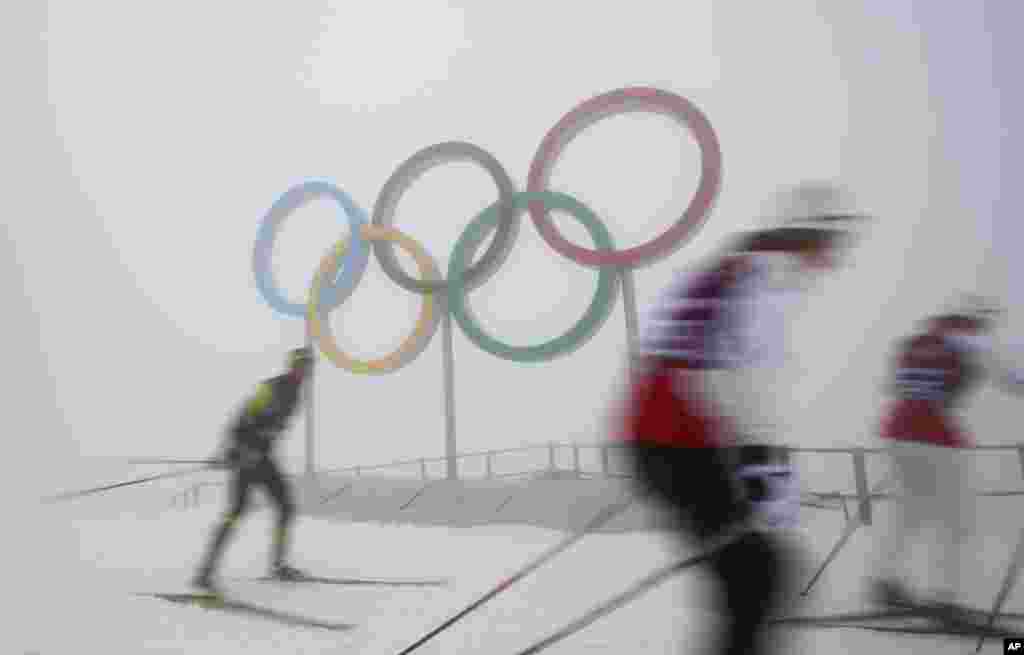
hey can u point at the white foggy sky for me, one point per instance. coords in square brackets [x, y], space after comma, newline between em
[150, 140]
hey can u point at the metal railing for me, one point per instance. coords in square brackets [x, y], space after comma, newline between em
[189, 497]
[862, 496]
[488, 457]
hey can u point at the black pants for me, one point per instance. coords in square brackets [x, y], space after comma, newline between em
[264, 473]
[697, 485]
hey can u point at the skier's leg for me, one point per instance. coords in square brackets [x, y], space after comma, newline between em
[952, 502]
[693, 484]
[748, 574]
[238, 503]
[653, 472]
[911, 467]
[753, 573]
[280, 494]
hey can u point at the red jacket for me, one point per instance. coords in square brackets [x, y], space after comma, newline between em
[929, 379]
[688, 332]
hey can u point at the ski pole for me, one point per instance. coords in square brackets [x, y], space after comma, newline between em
[602, 517]
[160, 460]
[68, 495]
[637, 589]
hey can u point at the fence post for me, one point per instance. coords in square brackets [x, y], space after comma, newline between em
[489, 464]
[551, 456]
[359, 472]
[860, 473]
[576, 458]
[423, 468]
[1020, 456]
[605, 468]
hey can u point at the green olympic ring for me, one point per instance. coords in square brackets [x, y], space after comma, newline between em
[469, 241]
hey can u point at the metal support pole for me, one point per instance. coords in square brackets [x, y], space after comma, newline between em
[310, 413]
[448, 364]
[863, 495]
[629, 306]
[629, 309]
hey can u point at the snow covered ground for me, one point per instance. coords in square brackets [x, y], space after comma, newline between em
[77, 565]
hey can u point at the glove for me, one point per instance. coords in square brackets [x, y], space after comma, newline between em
[220, 464]
[236, 457]
[224, 460]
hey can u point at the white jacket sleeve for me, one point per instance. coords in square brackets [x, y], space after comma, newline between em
[997, 363]
[1003, 370]
[753, 392]
[764, 315]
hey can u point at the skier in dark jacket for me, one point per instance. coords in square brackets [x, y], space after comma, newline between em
[249, 457]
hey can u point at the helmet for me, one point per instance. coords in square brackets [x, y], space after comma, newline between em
[975, 307]
[300, 356]
[814, 204]
[810, 213]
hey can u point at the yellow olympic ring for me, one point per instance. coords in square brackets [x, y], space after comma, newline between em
[426, 325]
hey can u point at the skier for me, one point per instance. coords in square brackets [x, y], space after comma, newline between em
[700, 447]
[933, 371]
[248, 454]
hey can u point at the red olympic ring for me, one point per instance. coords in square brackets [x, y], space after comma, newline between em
[611, 104]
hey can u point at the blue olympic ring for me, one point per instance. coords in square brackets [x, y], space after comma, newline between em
[351, 270]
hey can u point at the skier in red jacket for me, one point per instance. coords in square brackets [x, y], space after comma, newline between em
[692, 447]
[933, 372]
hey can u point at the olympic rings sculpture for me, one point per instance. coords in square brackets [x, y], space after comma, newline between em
[344, 265]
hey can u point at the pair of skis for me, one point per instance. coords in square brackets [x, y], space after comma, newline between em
[603, 517]
[921, 621]
[970, 622]
[373, 582]
[225, 603]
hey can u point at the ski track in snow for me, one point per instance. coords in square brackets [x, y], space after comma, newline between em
[81, 562]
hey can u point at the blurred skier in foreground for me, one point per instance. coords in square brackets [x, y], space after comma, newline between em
[933, 371]
[249, 455]
[695, 442]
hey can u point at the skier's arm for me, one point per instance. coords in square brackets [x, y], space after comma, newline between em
[232, 450]
[260, 413]
[1004, 374]
[761, 332]
[996, 365]
[259, 402]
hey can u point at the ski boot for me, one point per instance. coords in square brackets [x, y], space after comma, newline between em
[287, 573]
[945, 610]
[892, 594]
[204, 583]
